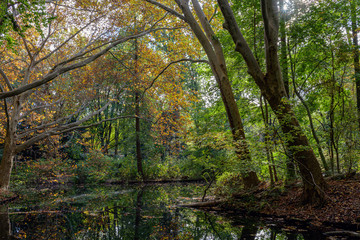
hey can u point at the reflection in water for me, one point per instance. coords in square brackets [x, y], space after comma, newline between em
[5, 230]
[138, 213]
[119, 213]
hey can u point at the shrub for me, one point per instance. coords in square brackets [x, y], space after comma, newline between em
[94, 168]
[42, 171]
[228, 183]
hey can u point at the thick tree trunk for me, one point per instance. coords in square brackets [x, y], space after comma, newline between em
[296, 141]
[213, 50]
[272, 87]
[9, 150]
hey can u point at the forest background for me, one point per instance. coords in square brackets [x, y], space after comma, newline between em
[101, 91]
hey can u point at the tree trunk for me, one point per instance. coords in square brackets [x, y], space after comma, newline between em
[283, 48]
[267, 139]
[7, 162]
[137, 118]
[213, 49]
[272, 87]
[273, 167]
[296, 141]
[290, 169]
[137, 136]
[116, 138]
[214, 52]
[9, 150]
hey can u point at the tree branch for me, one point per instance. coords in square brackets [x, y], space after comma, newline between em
[66, 41]
[59, 69]
[168, 9]
[241, 45]
[167, 66]
[7, 80]
[58, 130]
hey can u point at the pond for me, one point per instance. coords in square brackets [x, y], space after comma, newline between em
[129, 212]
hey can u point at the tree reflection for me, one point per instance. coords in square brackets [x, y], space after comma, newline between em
[5, 229]
[140, 213]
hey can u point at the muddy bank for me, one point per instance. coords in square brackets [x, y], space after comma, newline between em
[341, 210]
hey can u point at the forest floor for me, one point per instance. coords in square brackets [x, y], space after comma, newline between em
[342, 207]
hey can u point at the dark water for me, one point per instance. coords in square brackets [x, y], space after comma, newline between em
[119, 212]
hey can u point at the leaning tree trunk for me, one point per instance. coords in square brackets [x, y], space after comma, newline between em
[272, 87]
[297, 143]
[213, 49]
[214, 52]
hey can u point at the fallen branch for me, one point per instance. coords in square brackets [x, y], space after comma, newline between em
[343, 233]
[202, 204]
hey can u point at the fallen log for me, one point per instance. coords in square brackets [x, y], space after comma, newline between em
[202, 204]
[343, 233]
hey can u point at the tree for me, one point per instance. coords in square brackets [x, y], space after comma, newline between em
[272, 87]
[44, 57]
[213, 49]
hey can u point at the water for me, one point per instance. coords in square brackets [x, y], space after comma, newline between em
[129, 212]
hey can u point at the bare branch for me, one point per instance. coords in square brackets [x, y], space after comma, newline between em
[66, 41]
[58, 130]
[69, 7]
[57, 121]
[214, 14]
[167, 66]
[168, 9]
[38, 108]
[7, 80]
[210, 33]
[27, 49]
[241, 45]
[97, 123]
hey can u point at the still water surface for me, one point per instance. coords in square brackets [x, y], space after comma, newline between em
[128, 212]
